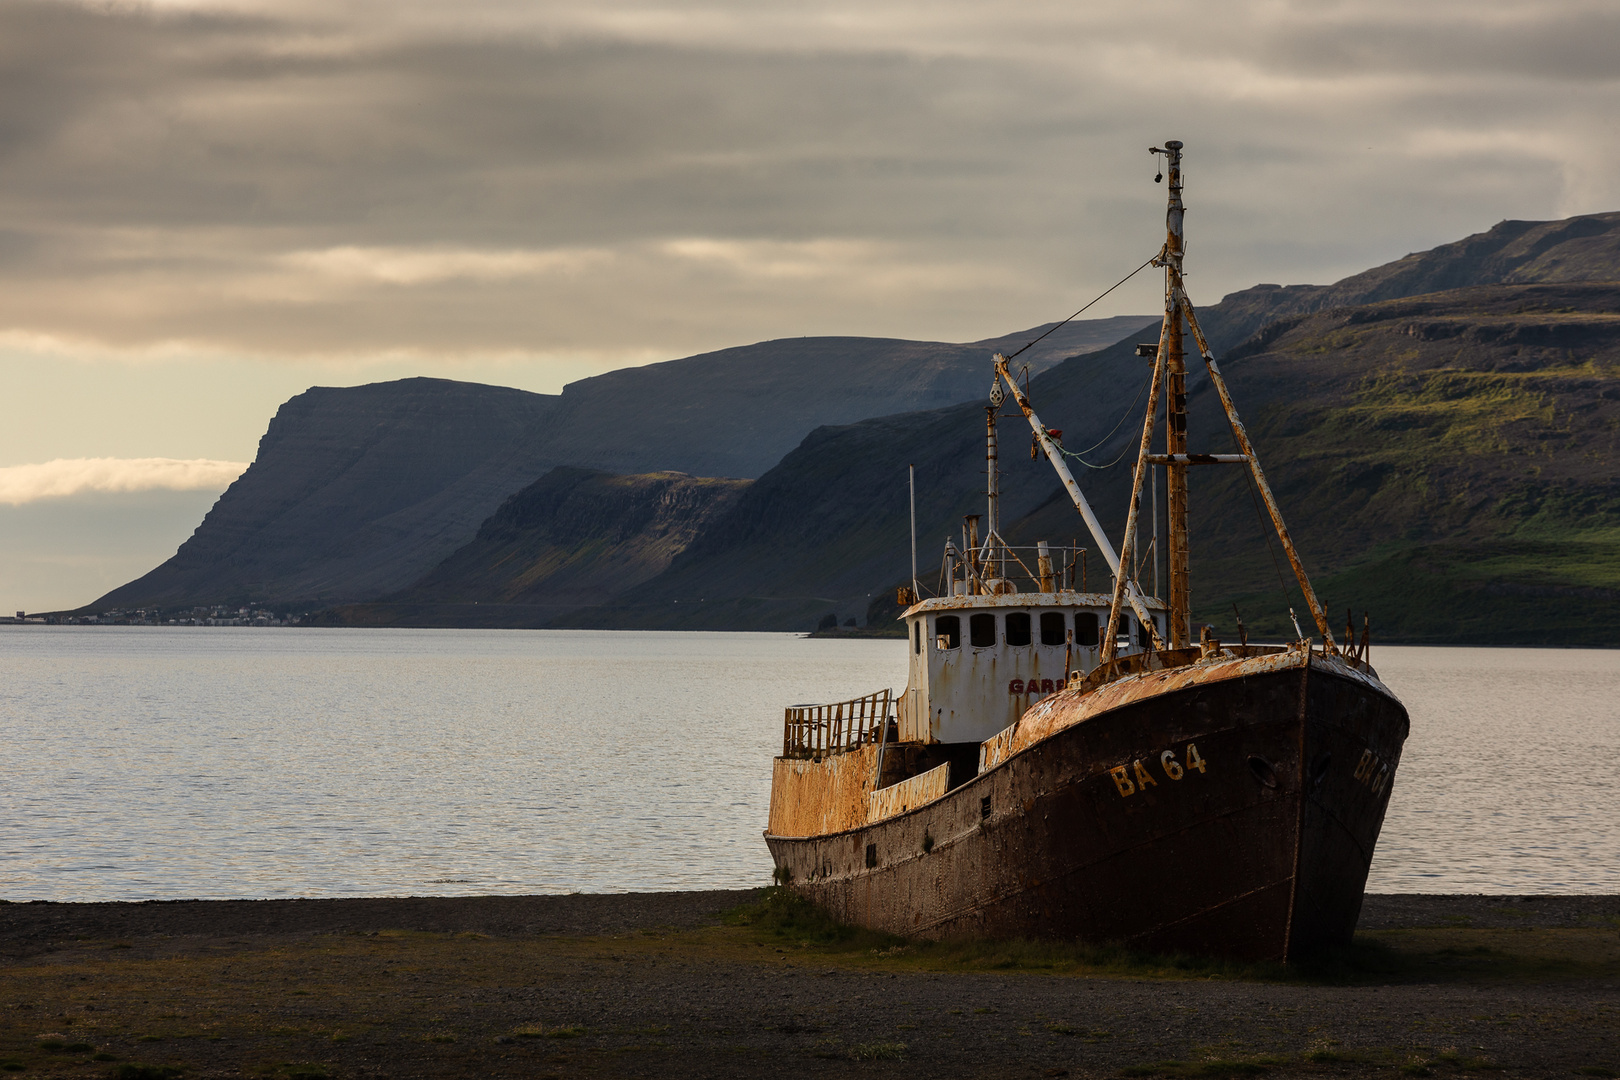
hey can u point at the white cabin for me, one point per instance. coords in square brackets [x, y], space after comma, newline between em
[976, 663]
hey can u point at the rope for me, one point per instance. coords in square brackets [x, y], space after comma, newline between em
[1105, 292]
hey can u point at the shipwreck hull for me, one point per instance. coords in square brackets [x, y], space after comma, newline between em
[1230, 808]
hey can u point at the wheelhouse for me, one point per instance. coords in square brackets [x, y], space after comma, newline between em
[976, 663]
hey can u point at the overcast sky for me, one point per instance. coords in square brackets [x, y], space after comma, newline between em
[206, 208]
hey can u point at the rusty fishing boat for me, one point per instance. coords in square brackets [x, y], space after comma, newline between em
[1072, 764]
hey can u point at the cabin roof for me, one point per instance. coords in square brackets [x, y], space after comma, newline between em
[1019, 600]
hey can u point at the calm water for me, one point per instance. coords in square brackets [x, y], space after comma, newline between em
[143, 763]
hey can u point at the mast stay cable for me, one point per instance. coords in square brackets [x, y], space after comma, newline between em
[1100, 295]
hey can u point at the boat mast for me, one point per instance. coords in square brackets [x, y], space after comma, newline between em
[1176, 459]
[1175, 404]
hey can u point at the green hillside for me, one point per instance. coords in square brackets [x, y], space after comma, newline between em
[1446, 461]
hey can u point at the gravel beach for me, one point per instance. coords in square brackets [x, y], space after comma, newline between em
[656, 985]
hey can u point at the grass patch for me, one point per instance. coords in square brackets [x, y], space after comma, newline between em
[131, 1071]
[780, 914]
[1459, 954]
[878, 1051]
[1333, 1057]
[783, 919]
[540, 1031]
[1214, 1067]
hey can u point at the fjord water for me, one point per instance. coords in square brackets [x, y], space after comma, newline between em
[161, 763]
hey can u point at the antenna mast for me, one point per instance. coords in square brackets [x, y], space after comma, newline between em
[911, 484]
[1175, 404]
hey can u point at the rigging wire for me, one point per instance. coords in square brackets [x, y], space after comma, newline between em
[1122, 454]
[1126, 415]
[1105, 292]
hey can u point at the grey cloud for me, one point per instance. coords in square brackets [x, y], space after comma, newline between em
[216, 122]
[327, 180]
[1551, 43]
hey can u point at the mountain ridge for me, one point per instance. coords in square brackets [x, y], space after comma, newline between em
[356, 492]
[1416, 408]
[1424, 444]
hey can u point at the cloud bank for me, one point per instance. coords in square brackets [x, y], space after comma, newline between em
[20, 484]
[495, 177]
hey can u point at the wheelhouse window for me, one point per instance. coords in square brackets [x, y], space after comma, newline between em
[1052, 628]
[916, 636]
[1018, 629]
[1085, 628]
[947, 632]
[982, 630]
[1144, 637]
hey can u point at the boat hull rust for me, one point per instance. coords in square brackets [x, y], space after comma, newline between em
[1228, 808]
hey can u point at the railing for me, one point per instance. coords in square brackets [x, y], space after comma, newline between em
[1025, 569]
[815, 731]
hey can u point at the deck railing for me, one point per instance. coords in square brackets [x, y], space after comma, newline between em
[1065, 570]
[815, 731]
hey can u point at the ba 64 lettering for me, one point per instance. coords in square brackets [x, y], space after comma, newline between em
[1136, 776]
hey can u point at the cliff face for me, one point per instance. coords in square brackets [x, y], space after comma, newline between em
[356, 493]
[573, 538]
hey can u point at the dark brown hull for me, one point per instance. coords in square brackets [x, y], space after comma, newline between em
[1261, 854]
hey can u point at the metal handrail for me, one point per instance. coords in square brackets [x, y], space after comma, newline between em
[1069, 570]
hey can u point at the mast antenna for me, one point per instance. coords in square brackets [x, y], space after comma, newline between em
[911, 482]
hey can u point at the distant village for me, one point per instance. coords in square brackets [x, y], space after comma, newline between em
[218, 615]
